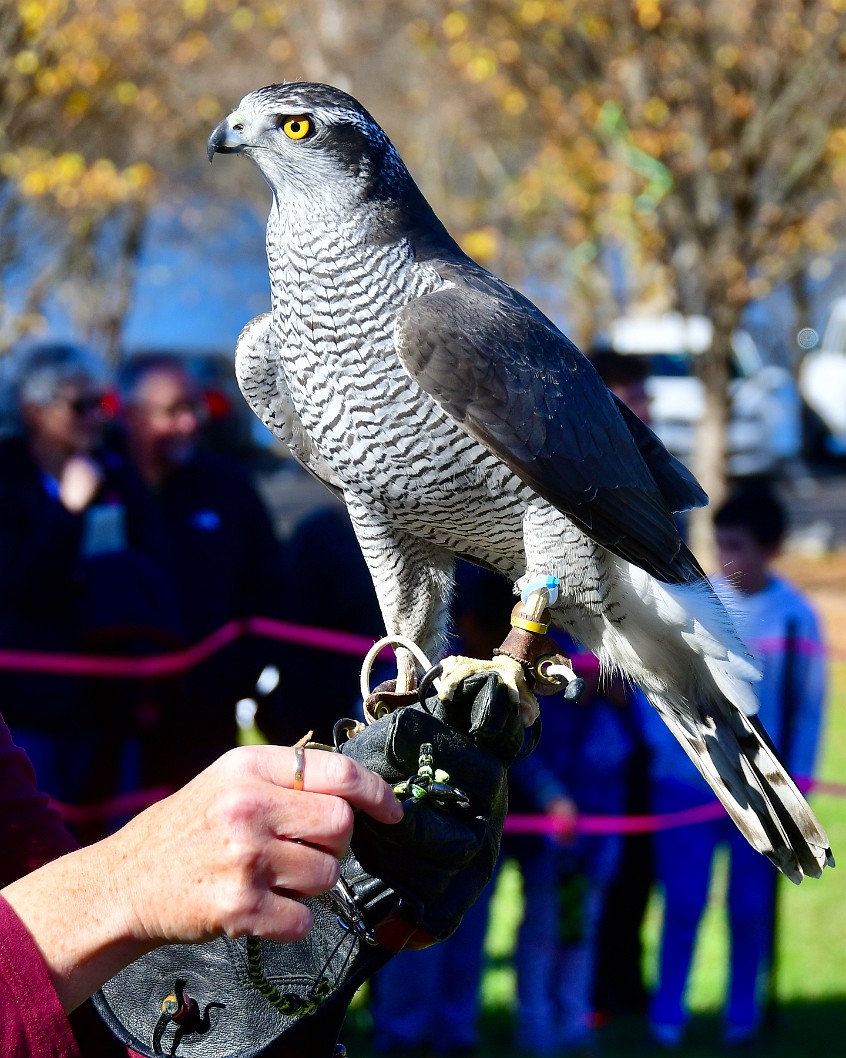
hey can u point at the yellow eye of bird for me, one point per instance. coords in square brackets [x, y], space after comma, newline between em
[296, 128]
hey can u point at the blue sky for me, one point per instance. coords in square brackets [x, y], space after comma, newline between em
[202, 277]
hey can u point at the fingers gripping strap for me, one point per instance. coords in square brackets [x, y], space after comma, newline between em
[403, 886]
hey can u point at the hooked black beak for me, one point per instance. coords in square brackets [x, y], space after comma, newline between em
[225, 139]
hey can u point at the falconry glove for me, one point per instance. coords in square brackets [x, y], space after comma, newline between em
[402, 886]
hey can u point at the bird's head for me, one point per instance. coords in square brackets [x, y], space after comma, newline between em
[310, 139]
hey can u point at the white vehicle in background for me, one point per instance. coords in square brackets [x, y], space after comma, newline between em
[765, 428]
[822, 380]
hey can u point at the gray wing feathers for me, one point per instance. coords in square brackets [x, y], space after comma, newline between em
[513, 381]
[262, 381]
[678, 486]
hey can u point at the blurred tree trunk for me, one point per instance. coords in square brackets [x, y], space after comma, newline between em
[712, 449]
[114, 318]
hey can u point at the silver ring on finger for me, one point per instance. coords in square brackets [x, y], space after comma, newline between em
[299, 767]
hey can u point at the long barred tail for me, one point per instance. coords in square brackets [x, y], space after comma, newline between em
[738, 761]
[680, 645]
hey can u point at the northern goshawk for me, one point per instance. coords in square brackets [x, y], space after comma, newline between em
[454, 418]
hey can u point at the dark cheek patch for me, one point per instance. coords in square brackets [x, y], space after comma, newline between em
[349, 145]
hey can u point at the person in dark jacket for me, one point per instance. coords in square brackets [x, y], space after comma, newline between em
[79, 550]
[329, 587]
[619, 984]
[221, 553]
[579, 768]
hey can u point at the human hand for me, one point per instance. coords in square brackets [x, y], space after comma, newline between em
[233, 850]
[80, 480]
[403, 886]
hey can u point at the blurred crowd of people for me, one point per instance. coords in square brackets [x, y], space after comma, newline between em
[122, 534]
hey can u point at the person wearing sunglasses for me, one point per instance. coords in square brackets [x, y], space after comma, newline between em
[79, 553]
[222, 554]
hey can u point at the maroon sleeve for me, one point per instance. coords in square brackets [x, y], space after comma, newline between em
[31, 832]
[32, 1021]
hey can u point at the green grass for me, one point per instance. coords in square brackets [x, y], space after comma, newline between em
[811, 1018]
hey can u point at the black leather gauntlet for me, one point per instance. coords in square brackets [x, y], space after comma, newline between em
[406, 885]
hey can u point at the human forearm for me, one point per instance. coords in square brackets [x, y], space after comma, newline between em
[229, 853]
[76, 912]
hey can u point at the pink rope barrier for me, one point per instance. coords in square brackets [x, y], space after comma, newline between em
[174, 662]
[644, 824]
[552, 825]
[136, 801]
